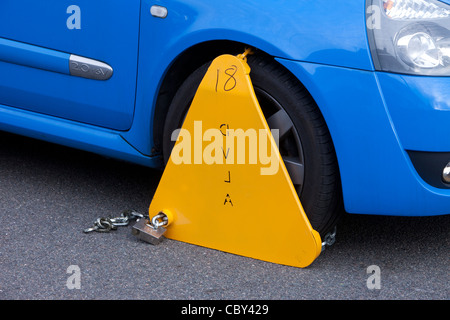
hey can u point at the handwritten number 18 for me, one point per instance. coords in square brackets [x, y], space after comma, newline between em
[231, 82]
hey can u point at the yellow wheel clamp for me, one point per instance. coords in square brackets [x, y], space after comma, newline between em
[225, 185]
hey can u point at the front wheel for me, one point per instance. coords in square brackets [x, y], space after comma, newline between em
[304, 140]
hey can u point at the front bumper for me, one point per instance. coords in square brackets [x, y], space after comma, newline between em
[375, 119]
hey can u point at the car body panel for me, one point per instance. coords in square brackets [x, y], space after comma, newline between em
[420, 108]
[376, 172]
[102, 141]
[109, 32]
[368, 113]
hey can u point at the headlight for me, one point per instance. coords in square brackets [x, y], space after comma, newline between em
[410, 36]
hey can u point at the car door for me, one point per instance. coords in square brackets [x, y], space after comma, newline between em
[74, 59]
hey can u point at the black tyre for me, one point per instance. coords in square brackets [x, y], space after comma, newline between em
[305, 142]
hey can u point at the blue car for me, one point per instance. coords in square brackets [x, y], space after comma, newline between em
[360, 90]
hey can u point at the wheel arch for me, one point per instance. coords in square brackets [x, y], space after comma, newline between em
[186, 63]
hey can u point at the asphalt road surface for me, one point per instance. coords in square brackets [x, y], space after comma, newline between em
[49, 194]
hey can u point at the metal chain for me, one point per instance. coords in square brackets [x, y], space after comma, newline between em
[159, 220]
[106, 224]
[329, 239]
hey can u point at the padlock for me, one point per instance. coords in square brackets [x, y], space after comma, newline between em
[147, 232]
